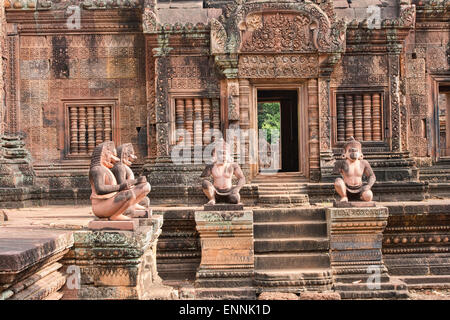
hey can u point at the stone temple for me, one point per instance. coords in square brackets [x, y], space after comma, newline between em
[171, 77]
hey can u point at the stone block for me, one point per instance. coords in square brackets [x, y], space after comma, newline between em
[118, 264]
[223, 207]
[227, 260]
[127, 225]
[356, 236]
[354, 204]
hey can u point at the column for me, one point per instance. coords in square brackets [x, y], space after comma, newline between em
[340, 106]
[349, 132]
[367, 103]
[358, 118]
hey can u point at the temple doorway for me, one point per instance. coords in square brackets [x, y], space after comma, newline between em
[278, 130]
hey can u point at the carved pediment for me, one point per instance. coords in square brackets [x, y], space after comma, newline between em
[290, 39]
[278, 32]
[276, 27]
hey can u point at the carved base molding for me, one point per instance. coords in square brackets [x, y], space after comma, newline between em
[227, 264]
[118, 264]
[355, 252]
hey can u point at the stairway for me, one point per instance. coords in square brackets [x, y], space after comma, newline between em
[291, 250]
[279, 194]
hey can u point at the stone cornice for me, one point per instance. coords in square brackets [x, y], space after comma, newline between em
[91, 21]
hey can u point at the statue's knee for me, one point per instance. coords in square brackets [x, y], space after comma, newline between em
[367, 195]
[147, 188]
[234, 198]
[339, 182]
[145, 202]
[206, 184]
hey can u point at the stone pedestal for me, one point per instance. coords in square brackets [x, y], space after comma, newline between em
[116, 264]
[355, 252]
[227, 263]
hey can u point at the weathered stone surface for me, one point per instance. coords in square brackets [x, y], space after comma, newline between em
[320, 296]
[354, 204]
[227, 261]
[97, 225]
[277, 296]
[117, 265]
[223, 207]
[355, 253]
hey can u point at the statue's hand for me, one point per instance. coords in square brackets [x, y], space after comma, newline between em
[142, 179]
[125, 186]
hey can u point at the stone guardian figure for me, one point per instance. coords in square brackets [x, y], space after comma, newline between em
[109, 199]
[222, 170]
[352, 168]
[123, 172]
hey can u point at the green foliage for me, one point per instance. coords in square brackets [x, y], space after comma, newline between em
[269, 118]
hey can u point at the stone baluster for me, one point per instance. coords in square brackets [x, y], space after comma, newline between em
[206, 121]
[189, 120]
[98, 125]
[90, 129]
[349, 132]
[73, 114]
[179, 119]
[340, 117]
[82, 146]
[358, 118]
[367, 117]
[376, 117]
[107, 122]
[215, 114]
[198, 136]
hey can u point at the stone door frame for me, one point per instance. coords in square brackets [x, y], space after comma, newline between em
[300, 85]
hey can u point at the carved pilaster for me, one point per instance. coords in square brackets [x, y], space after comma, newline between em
[313, 123]
[394, 95]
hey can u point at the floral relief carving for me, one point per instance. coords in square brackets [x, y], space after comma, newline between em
[278, 33]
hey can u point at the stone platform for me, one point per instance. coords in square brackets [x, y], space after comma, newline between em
[407, 251]
[355, 252]
[30, 267]
[227, 262]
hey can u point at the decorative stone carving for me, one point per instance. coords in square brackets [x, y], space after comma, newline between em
[222, 171]
[109, 199]
[355, 252]
[118, 264]
[15, 163]
[218, 37]
[278, 66]
[227, 264]
[123, 172]
[278, 33]
[352, 168]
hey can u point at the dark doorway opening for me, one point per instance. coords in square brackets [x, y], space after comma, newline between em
[286, 101]
[444, 120]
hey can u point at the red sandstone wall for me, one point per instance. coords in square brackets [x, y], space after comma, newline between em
[425, 58]
[3, 53]
[56, 67]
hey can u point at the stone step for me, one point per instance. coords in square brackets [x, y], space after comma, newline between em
[291, 245]
[294, 280]
[272, 230]
[283, 199]
[294, 274]
[426, 282]
[288, 214]
[283, 261]
[243, 293]
[395, 289]
[374, 294]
